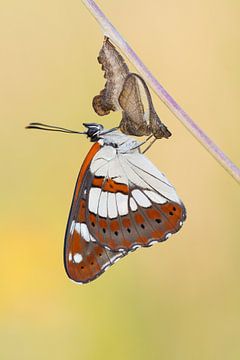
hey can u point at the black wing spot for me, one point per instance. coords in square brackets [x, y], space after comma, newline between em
[93, 224]
[142, 226]
[174, 209]
[128, 230]
[100, 254]
[116, 233]
[104, 230]
[82, 267]
[170, 213]
[158, 221]
[92, 263]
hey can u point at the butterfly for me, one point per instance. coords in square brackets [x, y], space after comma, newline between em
[127, 92]
[121, 202]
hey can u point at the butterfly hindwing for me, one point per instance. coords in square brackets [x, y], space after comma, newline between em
[130, 202]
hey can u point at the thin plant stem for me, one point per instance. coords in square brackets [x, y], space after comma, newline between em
[110, 31]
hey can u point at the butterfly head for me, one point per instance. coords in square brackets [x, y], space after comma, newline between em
[93, 131]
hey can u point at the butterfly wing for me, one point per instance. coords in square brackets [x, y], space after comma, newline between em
[116, 71]
[131, 203]
[84, 259]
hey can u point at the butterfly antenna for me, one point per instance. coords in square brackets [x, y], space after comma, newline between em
[40, 126]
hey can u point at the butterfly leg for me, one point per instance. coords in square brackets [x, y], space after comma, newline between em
[142, 143]
[148, 147]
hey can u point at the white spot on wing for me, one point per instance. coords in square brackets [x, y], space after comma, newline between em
[141, 199]
[92, 238]
[133, 204]
[72, 227]
[112, 206]
[93, 200]
[116, 259]
[134, 247]
[122, 204]
[102, 207]
[153, 242]
[106, 267]
[155, 197]
[167, 236]
[84, 232]
[78, 228]
[70, 257]
[77, 258]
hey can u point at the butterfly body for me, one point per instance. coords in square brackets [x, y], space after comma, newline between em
[121, 202]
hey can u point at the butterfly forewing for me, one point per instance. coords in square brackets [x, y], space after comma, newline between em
[84, 259]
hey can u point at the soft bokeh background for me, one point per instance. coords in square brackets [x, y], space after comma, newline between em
[176, 300]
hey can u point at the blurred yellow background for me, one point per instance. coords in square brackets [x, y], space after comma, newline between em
[177, 300]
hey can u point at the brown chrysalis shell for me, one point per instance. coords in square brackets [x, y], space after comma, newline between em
[127, 92]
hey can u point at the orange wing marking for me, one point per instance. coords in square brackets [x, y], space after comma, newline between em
[94, 149]
[110, 185]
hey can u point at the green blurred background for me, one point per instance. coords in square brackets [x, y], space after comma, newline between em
[176, 300]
